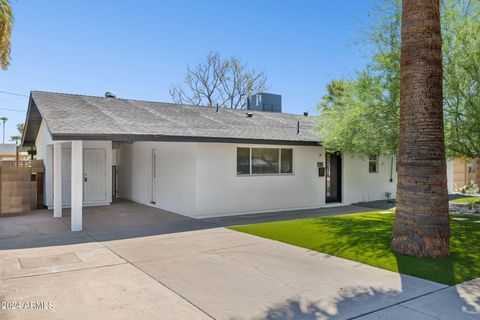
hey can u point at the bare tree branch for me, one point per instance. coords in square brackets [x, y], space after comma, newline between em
[227, 83]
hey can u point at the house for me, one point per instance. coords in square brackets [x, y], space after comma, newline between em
[8, 151]
[464, 171]
[196, 161]
[9, 154]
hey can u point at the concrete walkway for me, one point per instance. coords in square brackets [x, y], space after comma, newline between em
[457, 302]
[167, 266]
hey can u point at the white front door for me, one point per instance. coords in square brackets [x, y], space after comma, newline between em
[94, 175]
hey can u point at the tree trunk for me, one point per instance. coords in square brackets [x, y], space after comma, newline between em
[422, 226]
[477, 171]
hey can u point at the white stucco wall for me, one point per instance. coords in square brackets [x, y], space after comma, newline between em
[360, 185]
[221, 192]
[200, 179]
[43, 153]
[175, 183]
[43, 139]
[450, 177]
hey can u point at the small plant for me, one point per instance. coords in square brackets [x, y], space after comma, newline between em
[473, 204]
[388, 196]
[470, 188]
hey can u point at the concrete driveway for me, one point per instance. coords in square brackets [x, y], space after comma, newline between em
[137, 262]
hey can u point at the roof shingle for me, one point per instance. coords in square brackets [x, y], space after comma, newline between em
[89, 117]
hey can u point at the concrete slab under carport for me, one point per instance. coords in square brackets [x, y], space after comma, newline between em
[25, 230]
[15, 222]
[125, 219]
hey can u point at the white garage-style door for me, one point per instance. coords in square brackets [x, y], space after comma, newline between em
[95, 184]
[94, 175]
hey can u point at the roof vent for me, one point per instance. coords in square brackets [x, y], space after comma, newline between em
[249, 114]
[110, 94]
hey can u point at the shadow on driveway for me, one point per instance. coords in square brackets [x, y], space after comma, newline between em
[286, 215]
[126, 219]
[121, 220]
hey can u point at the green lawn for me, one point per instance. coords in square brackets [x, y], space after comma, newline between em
[365, 237]
[466, 200]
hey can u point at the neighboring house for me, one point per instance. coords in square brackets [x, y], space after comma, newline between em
[8, 151]
[196, 161]
[466, 170]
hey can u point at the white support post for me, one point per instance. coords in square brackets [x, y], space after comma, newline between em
[77, 185]
[57, 180]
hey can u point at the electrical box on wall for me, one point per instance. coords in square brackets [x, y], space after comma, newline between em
[321, 172]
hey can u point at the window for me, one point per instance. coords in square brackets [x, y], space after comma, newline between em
[258, 161]
[472, 167]
[243, 160]
[286, 161]
[265, 161]
[373, 164]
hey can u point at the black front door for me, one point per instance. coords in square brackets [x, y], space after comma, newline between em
[333, 178]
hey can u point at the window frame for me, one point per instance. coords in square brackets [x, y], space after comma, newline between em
[279, 148]
[376, 161]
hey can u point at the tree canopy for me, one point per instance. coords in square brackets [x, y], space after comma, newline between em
[461, 44]
[361, 115]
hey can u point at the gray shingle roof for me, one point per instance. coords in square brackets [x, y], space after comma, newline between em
[70, 116]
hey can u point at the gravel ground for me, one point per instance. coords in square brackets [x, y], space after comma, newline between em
[457, 208]
[465, 208]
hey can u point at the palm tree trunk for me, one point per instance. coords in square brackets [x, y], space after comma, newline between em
[422, 225]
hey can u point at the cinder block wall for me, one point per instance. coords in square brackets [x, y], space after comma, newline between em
[18, 188]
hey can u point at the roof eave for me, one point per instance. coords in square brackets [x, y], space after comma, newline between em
[35, 126]
[147, 137]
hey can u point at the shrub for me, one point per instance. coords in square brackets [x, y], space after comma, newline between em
[470, 188]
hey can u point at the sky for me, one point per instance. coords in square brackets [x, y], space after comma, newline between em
[139, 49]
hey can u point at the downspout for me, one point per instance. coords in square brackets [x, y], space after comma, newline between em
[391, 170]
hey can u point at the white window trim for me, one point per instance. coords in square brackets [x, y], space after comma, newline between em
[279, 160]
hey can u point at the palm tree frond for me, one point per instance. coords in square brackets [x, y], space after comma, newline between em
[6, 24]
